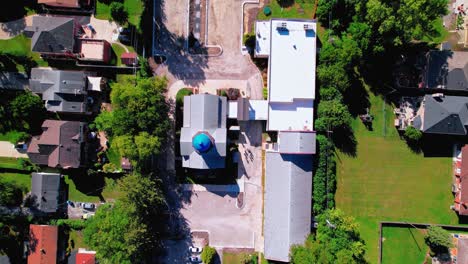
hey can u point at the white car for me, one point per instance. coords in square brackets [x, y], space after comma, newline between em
[195, 249]
[195, 259]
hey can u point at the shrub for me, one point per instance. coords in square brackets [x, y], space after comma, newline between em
[265, 93]
[438, 239]
[412, 134]
[118, 12]
[180, 95]
[208, 255]
[109, 168]
[324, 180]
[74, 224]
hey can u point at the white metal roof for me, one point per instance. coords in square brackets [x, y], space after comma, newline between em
[292, 60]
[291, 75]
[262, 37]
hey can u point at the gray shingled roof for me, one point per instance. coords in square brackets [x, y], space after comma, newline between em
[295, 142]
[204, 113]
[447, 70]
[288, 192]
[45, 188]
[63, 91]
[52, 34]
[445, 115]
[13, 81]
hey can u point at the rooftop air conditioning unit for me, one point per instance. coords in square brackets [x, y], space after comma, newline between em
[438, 95]
[282, 25]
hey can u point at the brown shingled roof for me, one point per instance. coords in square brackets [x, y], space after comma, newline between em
[42, 244]
[60, 3]
[58, 146]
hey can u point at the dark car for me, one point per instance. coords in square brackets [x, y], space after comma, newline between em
[124, 39]
[89, 206]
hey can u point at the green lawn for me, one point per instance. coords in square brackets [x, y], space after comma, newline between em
[441, 31]
[387, 181]
[19, 48]
[110, 191]
[410, 239]
[290, 12]
[236, 258]
[10, 163]
[133, 7]
[11, 136]
[118, 50]
[23, 179]
[75, 240]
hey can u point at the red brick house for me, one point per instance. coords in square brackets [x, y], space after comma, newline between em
[43, 244]
[65, 3]
[461, 183]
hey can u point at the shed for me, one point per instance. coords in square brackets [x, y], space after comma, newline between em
[129, 58]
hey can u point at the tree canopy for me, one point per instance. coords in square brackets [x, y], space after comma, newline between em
[138, 122]
[127, 232]
[22, 111]
[438, 239]
[337, 241]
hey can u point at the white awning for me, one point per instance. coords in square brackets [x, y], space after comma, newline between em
[94, 83]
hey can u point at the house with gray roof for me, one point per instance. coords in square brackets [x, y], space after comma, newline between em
[62, 91]
[441, 114]
[52, 36]
[445, 69]
[46, 191]
[203, 135]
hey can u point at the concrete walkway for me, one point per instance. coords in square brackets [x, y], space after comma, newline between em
[8, 150]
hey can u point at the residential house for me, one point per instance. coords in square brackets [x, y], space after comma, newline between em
[462, 249]
[43, 244]
[61, 145]
[290, 46]
[53, 37]
[203, 135]
[62, 91]
[65, 3]
[447, 70]
[46, 190]
[434, 114]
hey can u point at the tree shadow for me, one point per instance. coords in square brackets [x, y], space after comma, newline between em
[88, 184]
[180, 63]
[356, 97]
[286, 3]
[14, 28]
[345, 141]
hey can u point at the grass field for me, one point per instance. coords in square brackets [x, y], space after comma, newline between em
[409, 239]
[10, 163]
[109, 190]
[75, 240]
[133, 7]
[20, 47]
[297, 10]
[387, 181]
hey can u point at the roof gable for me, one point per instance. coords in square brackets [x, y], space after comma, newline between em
[52, 34]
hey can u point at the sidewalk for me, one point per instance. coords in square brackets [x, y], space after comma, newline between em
[8, 150]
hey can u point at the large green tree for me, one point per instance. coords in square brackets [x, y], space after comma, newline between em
[438, 239]
[138, 122]
[25, 112]
[127, 232]
[332, 115]
[337, 241]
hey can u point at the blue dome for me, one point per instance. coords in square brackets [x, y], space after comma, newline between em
[201, 142]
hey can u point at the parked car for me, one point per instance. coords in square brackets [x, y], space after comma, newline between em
[195, 259]
[89, 206]
[125, 31]
[124, 39]
[70, 203]
[21, 146]
[195, 249]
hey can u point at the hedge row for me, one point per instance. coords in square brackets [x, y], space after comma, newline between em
[323, 188]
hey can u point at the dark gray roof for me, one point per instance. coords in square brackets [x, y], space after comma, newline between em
[288, 192]
[46, 190]
[295, 142]
[13, 81]
[51, 34]
[445, 115]
[204, 113]
[447, 70]
[63, 91]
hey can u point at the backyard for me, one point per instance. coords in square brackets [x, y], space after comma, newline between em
[388, 181]
[296, 10]
[17, 55]
[396, 238]
[133, 7]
